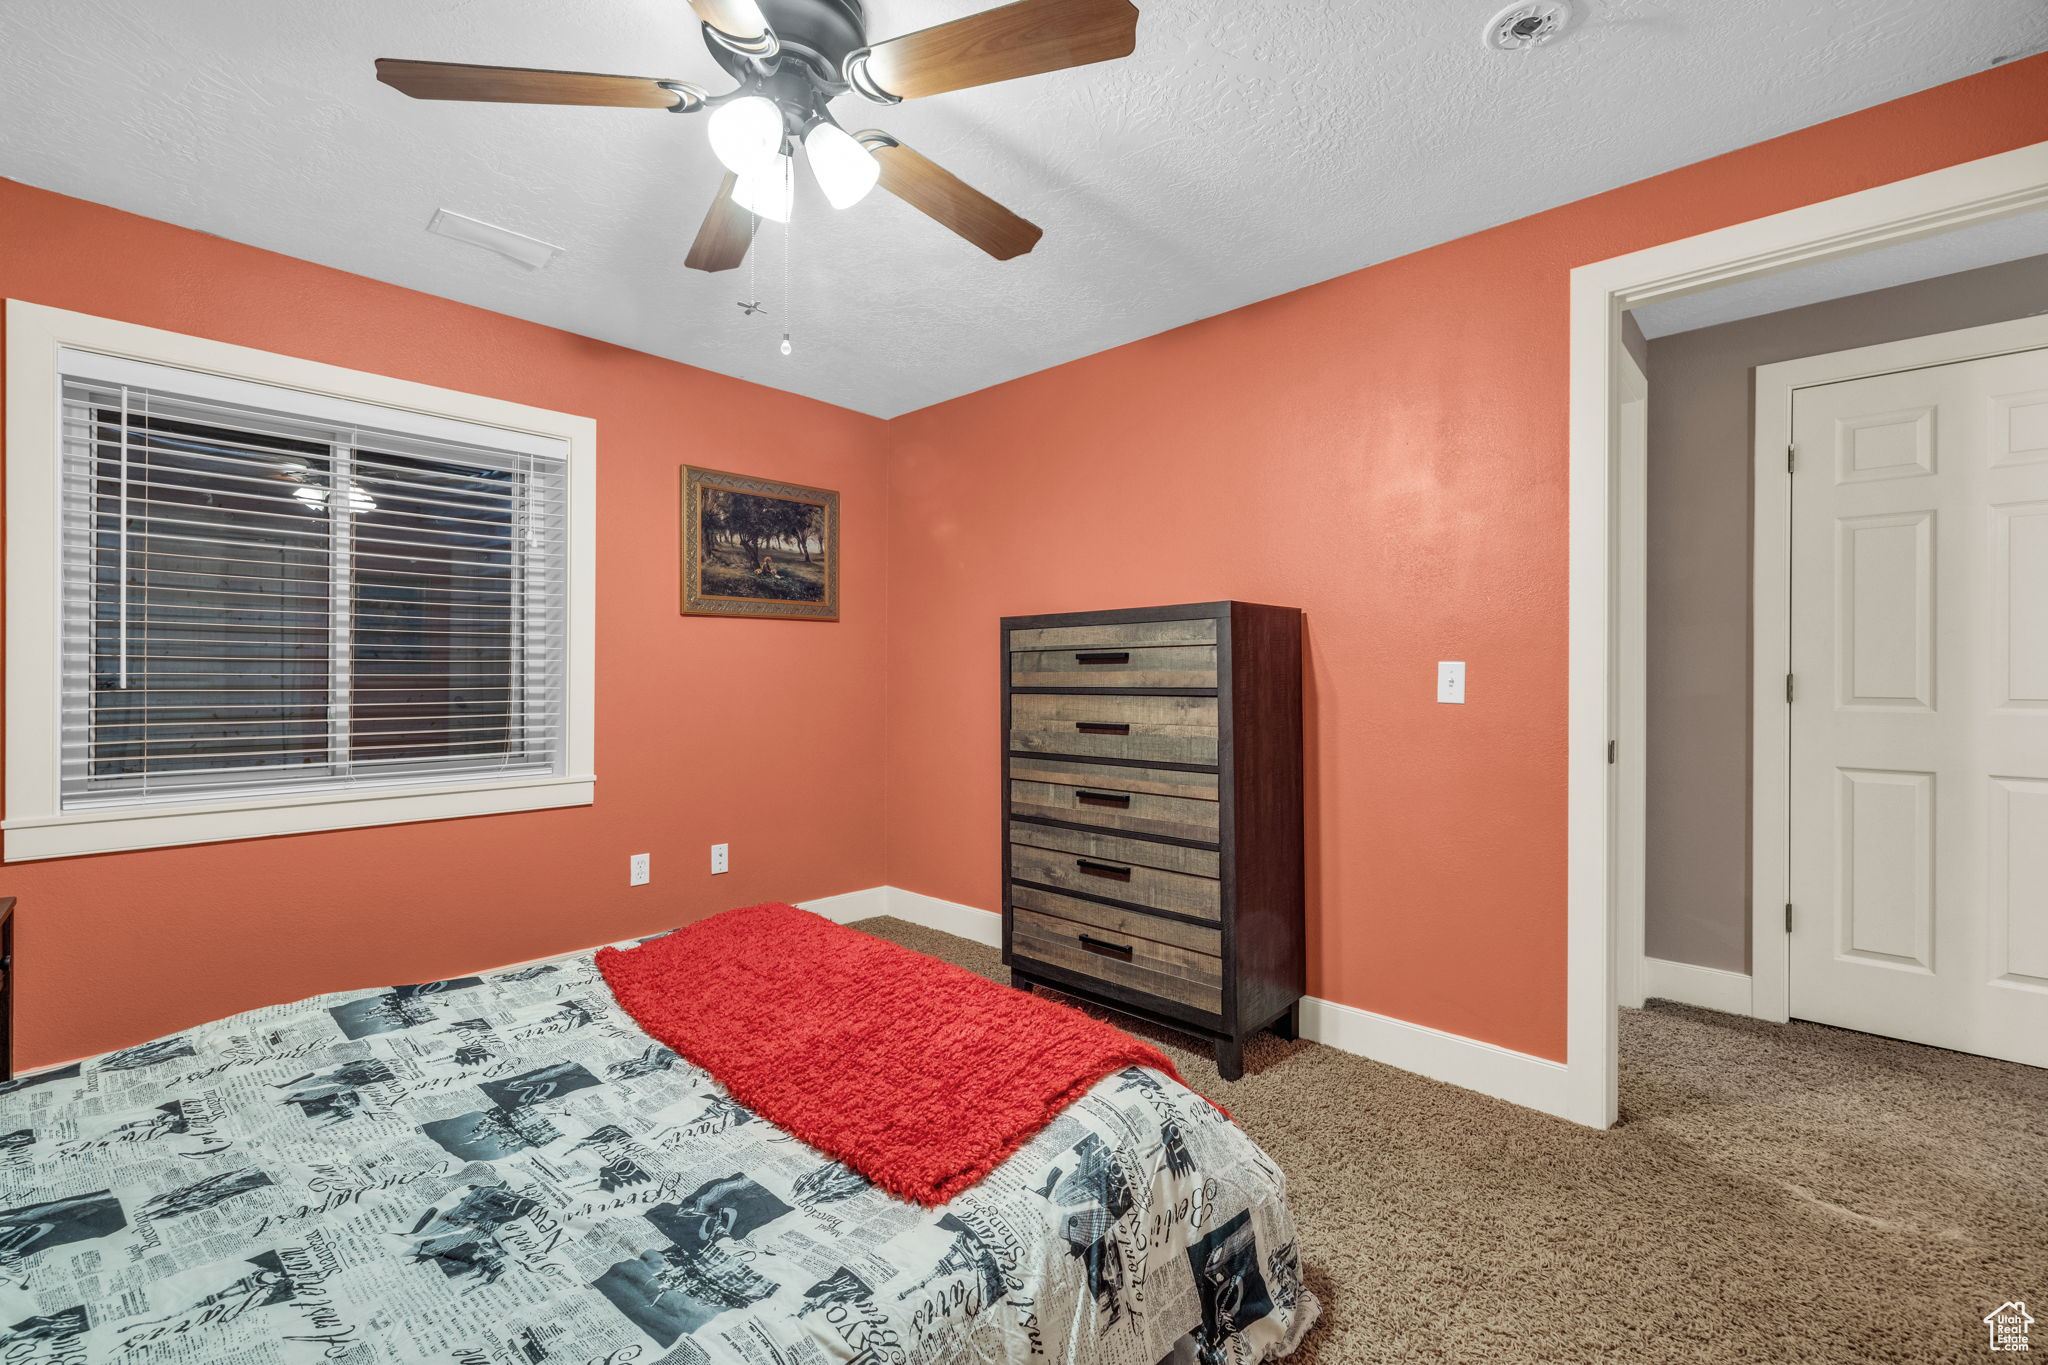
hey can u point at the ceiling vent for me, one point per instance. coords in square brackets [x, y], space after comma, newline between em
[1519, 28]
[530, 252]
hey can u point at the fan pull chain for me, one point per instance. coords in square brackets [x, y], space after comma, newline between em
[753, 257]
[788, 308]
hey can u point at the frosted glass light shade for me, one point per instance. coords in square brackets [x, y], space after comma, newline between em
[745, 133]
[769, 192]
[846, 170]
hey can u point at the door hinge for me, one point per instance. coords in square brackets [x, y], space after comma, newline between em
[1788, 917]
[1788, 689]
[1611, 744]
[1791, 459]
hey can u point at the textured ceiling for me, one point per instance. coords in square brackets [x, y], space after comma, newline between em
[2007, 239]
[1249, 148]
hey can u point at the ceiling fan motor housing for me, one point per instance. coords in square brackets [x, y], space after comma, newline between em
[818, 33]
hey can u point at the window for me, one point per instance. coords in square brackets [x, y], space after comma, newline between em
[274, 600]
[258, 601]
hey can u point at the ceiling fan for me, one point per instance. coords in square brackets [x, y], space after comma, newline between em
[791, 59]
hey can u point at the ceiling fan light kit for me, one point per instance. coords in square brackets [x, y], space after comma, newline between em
[770, 191]
[791, 58]
[745, 133]
[846, 170]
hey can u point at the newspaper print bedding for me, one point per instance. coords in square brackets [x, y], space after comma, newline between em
[503, 1170]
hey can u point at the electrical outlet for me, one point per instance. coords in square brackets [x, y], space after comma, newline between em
[638, 870]
[1450, 682]
[719, 861]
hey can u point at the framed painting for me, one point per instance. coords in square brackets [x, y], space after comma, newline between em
[754, 547]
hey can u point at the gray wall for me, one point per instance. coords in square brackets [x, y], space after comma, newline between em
[1699, 647]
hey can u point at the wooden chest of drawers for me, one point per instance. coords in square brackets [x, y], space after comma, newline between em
[1153, 814]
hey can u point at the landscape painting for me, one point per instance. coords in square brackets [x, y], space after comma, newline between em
[754, 547]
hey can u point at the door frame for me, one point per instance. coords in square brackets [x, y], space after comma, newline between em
[1973, 192]
[1770, 950]
[1629, 674]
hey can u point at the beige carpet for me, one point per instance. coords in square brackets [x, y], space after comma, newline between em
[1773, 1194]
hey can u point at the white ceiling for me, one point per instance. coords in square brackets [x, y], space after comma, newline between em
[1249, 148]
[2007, 239]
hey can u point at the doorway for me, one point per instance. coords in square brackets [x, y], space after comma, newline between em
[1901, 812]
[1979, 192]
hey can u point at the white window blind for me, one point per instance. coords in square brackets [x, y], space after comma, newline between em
[265, 590]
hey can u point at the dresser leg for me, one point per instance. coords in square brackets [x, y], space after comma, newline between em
[1288, 1025]
[1230, 1058]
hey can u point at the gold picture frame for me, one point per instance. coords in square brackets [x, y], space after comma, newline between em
[748, 547]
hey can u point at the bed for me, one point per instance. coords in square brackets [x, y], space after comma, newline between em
[504, 1170]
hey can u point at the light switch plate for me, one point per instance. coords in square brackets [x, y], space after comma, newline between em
[1450, 682]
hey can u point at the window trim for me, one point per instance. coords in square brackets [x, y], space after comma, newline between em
[36, 826]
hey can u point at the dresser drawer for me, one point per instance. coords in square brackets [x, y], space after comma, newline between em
[1116, 777]
[1173, 666]
[1196, 862]
[1163, 876]
[1128, 634]
[1165, 970]
[1135, 812]
[1158, 729]
[1202, 939]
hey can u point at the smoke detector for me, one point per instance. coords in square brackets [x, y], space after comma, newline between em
[1520, 28]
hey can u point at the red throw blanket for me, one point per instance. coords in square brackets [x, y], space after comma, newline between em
[918, 1074]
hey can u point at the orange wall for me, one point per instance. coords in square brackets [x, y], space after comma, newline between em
[1387, 451]
[753, 733]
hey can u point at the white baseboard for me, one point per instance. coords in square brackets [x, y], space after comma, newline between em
[1517, 1077]
[950, 917]
[849, 906]
[1708, 987]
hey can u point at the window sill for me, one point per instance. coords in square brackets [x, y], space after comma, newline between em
[124, 829]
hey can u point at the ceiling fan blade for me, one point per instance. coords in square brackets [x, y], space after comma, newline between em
[949, 201]
[1024, 39]
[727, 232]
[741, 21]
[528, 85]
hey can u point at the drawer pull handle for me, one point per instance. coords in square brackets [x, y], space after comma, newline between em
[1102, 727]
[1121, 800]
[1106, 948]
[1122, 657]
[1109, 870]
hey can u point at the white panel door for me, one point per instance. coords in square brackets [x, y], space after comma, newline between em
[1919, 779]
